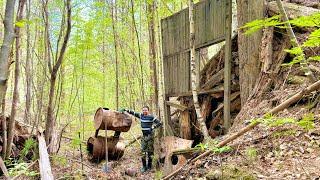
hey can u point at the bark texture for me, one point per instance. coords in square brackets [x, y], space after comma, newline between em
[249, 64]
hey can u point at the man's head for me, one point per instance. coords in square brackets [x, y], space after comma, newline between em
[145, 110]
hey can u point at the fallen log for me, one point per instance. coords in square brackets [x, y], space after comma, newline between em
[115, 120]
[315, 86]
[293, 10]
[97, 149]
[44, 162]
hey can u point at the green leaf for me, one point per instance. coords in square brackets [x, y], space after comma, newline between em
[258, 24]
[222, 149]
[307, 21]
[313, 40]
[314, 58]
[20, 23]
[307, 122]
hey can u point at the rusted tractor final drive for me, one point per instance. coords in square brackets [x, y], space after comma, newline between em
[96, 147]
[114, 120]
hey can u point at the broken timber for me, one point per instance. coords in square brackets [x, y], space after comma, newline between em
[315, 86]
[176, 105]
[44, 163]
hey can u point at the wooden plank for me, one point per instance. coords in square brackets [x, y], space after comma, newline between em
[215, 79]
[176, 105]
[177, 30]
[232, 97]
[227, 68]
[217, 89]
[175, 41]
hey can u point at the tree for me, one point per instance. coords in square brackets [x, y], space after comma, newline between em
[16, 79]
[151, 6]
[249, 64]
[54, 66]
[4, 56]
[193, 73]
[115, 39]
[28, 73]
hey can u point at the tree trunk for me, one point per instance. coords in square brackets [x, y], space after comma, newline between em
[115, 39]
[28, 73]
[16, 81]
[139, 52]
[6, 45]
[50, 119]
[153, 55]
[4, 53]
[193, 73]
[249, 63]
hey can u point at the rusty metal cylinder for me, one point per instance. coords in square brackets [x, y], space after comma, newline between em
[114, 120]
[96, 147]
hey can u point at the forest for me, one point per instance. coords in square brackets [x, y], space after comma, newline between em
[160, 89]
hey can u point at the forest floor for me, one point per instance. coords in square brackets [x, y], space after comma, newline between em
[280, 152]
[67, 164]
[285, 147]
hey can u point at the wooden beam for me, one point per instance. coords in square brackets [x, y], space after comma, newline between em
[227, 67]
[233, 97]
[176, 105]
[202, 91]
[214, 80]
[44, 162]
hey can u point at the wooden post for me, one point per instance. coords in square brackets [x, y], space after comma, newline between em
[227, 66]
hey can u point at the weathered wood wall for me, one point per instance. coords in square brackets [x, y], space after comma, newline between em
[209, 29]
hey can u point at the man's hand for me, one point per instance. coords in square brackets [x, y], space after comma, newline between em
[122, 110]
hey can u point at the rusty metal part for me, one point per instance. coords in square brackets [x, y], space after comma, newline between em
[115, 120]
[97, 149]
[170, 144]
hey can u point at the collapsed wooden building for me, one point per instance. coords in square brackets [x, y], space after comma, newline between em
[180, 114]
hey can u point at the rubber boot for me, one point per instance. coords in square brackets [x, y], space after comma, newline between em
[150, 161]
[144, 165]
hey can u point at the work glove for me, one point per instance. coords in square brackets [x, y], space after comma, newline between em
[122, 110]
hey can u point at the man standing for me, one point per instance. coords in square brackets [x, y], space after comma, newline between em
[148, 124]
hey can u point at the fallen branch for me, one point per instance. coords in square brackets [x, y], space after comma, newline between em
[282, 106]
[185, 151]
[133, 141]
